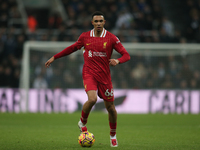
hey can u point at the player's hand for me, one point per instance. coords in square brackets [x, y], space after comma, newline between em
[48, 63]
[113, 62]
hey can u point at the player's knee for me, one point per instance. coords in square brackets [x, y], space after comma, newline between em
[111, 109]
[92, 100]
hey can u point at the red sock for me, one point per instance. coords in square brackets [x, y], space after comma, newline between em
[113, 127]
[84, 117]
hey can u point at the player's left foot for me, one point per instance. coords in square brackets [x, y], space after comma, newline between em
[113, 141]
[82, 127]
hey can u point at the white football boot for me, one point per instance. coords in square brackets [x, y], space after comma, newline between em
[82, 127]
[113, 141]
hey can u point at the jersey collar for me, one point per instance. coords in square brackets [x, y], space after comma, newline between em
[103, 34]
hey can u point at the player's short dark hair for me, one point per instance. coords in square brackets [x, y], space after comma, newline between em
[98, 13]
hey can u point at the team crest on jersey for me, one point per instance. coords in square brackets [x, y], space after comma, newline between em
[104, 44]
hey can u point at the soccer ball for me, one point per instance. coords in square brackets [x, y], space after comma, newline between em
[86, 139]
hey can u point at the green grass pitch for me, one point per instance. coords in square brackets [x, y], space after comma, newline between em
[134, 132]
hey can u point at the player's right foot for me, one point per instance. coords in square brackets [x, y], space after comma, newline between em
[82, 127]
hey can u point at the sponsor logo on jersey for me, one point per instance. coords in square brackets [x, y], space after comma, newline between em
[88, 43]
[97, 54]
[100, 54]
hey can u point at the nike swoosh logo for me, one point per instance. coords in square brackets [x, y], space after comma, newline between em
[101, 105]
[88, 43]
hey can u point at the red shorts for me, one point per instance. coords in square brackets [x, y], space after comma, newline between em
[105, 91]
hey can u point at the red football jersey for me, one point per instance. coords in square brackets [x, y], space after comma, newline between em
[97, 52]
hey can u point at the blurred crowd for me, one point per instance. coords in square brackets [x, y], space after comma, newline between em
[135, 21]
[192, 20]
[141, 72]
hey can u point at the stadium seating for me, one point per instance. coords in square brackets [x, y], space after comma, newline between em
[141, 21]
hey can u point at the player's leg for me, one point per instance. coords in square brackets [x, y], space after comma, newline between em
[105, 91]
[90, 85]
[112, 116]
[92, 98]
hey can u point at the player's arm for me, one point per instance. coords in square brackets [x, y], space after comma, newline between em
[48, 63]
[113, 62]
[120, 49]
[67, 51]
[63, 53]
[74, 47]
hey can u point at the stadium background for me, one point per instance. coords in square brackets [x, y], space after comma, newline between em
[165, 88]
[138, 21]
[133, 21]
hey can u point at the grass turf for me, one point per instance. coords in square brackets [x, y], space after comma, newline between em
[135, 131]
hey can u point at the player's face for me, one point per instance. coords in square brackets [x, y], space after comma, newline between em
[98, 23]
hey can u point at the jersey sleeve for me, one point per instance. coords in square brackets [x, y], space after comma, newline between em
[120, 49]
[70, 49]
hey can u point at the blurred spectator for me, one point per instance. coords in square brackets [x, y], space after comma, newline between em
[177, 36]
[54, 20]
[2, 76]
[4, 11]
[140, 21]
[40, 82]
[149, 22]
[177, 80]
[186, 73]
[161, 70]
[139, 72]
[193, 25]
[197, 76]
[19, 46]
[71, 21]
[167, 82]
[141, 5]
[164, 37]
[3, 20]
[122, 5]
[124, 20]
[193, 84]
[10, 45]
[32, 23]
[16, 78]
[61, 34]
[173, 65]
[69, 80]
[8, 76]
[14, 12]
[183, 84]
[168, 26]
